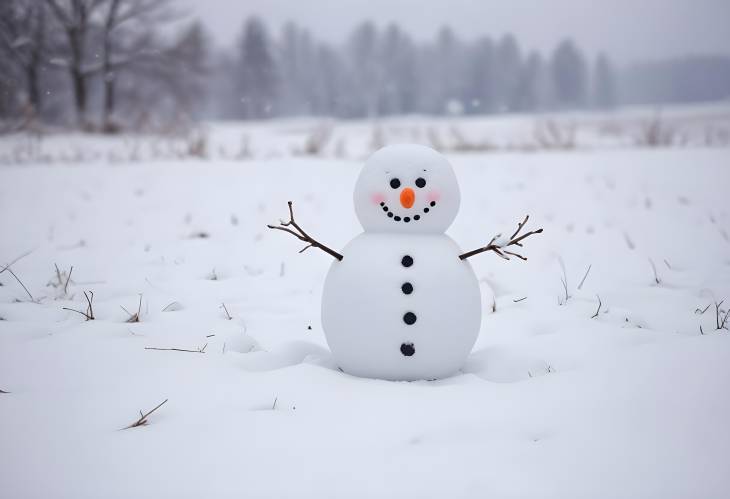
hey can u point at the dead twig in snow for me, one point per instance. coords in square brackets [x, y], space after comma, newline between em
[142, 421]
[598, 309]
[301, 235]
[89, 314]
[3, 391]
[519, 299]
[584, 276]
[515, 240]
[228, 316]
[199, 350]
[273, 407]
[699, 311]
[134, 317]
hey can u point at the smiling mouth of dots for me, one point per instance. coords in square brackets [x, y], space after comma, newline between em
[398, 218]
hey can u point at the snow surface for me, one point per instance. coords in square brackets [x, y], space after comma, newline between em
[553, 402]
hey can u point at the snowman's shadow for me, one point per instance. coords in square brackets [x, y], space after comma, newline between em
[496, 364]
[286, 355]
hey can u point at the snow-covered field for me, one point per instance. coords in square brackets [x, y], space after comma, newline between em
[560, 397]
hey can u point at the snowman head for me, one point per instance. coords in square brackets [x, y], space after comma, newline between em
[406, 188]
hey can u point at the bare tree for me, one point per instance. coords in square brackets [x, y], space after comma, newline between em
[128, 35]
[75, 18]
[22, 39]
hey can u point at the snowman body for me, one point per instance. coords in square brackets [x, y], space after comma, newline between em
[401, 305]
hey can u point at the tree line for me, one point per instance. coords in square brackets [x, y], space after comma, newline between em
[380, 72]
[109, 64]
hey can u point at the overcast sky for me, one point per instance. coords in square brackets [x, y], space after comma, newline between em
[628, 30]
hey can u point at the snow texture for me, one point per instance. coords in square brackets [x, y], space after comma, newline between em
[560, 398]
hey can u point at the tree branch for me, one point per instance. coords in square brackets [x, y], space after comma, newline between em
[515, 240]
[301, 235]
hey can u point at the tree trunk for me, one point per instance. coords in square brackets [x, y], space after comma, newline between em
[36, 61]
[79, 85]
[108, 71]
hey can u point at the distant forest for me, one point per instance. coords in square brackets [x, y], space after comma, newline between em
[108, 65]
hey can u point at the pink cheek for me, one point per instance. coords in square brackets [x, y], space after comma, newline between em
[377, 198]
[433, 196]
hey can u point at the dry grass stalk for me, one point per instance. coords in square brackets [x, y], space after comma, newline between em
[653, 268]
[720, 319]
[134, 317]
[598, 309]
[317, 140]
[63, 279]
[89, 314]
[580, 286]
[199, 350]
[142, 421]
[228, 315]
[549, 134]
[656, 133]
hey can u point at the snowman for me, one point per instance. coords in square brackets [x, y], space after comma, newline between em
[401, 302]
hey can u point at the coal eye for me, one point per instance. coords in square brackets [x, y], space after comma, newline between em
[421, 182]
[394, 183]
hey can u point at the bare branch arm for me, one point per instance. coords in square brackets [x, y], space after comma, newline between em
[515, 240]
[299, 233]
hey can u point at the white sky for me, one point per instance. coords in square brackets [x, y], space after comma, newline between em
[628, 30]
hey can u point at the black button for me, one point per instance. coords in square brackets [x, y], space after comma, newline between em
[433, 203]
[417, 217]
[406, 261]
[407, 288]
[409, 318]
[407, 219]
[407, 349]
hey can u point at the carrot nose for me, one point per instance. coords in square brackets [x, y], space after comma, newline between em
[407, 197]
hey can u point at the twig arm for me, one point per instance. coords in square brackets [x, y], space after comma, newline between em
[300, 234]
[515, 240]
